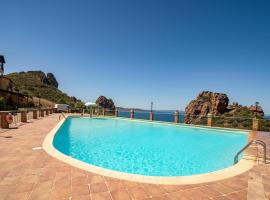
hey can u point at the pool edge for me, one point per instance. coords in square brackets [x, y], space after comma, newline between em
[239, 168]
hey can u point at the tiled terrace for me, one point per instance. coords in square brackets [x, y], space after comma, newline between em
[33, 174]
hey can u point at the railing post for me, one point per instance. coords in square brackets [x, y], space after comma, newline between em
[116, 113]
[176, 117]
[24, 116]
[255, 124]
[35, 114]
[41, 113]
[209, 119]
[151, 116]
[4, 123]
[132, 113]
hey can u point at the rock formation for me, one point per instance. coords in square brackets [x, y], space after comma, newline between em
[105, 103]
[206, 102]
[52, 80]
[257, 110]
[217, 104]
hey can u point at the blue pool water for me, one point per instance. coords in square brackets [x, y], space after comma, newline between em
[148, 148]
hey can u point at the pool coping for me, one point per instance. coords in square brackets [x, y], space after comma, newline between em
[242, 166]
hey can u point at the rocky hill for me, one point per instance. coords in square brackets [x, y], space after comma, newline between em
[37, 83]
[206, 102]
[234, 115]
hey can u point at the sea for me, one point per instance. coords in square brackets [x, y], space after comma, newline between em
[166, 116]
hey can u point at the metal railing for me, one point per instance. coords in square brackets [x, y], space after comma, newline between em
[250, 143]
[63, 115]
[243, 122]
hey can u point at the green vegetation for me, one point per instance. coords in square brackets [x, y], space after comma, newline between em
[4, 105]
[38, 84]
[241, 118]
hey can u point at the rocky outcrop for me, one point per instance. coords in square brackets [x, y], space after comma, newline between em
[254, 110]
[206, 102]
[52, 80]
[105, 103]
[217, 105]
[257, 110]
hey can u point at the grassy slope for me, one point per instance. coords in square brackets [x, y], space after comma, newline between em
[31, 83]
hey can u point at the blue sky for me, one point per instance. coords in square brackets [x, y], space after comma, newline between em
[141, 51]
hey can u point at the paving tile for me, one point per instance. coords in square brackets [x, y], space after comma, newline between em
[210, 192]
[162, 197]
[18, 196]
[61, 193]
[221, 198]
[130, 184]
[114, 185]
[82, 197]
[194, 193]
[120, 194]
[154, 190]
[80, 190]
[171, 188]
[101, 196]
[29, 179]
[5, 189]
[10, 180]
[47, 174]
[3, 173]
[138, 193]
[42, 191]
[80, 180]
[236, 183]
[221, 188]
[107, 178]
[238, 195]
[98, 187]
[95, 179]
[183, 195]
[25, 187]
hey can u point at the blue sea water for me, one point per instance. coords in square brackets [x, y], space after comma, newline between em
[166, 116]
[150, 149]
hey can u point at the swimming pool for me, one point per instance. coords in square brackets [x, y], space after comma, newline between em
[150, 149]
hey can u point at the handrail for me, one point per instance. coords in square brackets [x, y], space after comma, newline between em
[260, 142]
[63, 115]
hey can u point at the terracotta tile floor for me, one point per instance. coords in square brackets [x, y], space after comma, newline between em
[28, 174]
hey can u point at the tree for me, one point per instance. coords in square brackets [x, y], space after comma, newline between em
[79, 105]
[256, 108]
[2, 103]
